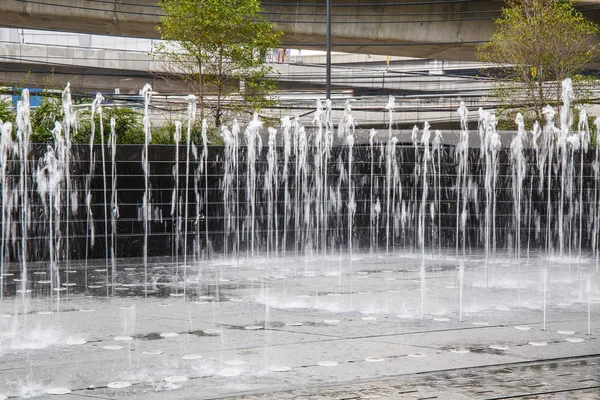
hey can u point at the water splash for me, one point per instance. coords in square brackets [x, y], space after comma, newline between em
[518, 170]
[146, 200]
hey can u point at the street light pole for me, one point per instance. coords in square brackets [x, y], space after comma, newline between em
[328, 77]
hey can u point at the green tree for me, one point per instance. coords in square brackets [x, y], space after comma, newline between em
[537, 44]
[218, 48]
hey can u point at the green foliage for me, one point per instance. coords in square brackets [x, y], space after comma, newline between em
[7, 113]
[50, 110]
[128, 126]
[43, 118]
[165, 134]
[214, 46]
[537, 44]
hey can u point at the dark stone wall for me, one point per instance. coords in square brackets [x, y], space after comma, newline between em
[369, 183]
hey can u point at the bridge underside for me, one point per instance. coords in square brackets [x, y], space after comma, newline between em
[440, 30]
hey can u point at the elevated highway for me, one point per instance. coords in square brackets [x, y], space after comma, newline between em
[437, 29]
[91, 69]
[424, 89]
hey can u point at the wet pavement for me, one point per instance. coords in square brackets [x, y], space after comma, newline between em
[371, 327]
[575, 378]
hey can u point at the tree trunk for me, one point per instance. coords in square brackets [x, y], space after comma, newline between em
[220, 84]
[201, 88]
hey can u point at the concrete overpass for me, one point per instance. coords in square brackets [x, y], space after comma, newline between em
[438, 29]
[89, 69]
[424, 89]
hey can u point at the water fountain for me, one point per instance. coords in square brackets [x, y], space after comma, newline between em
[313, 247]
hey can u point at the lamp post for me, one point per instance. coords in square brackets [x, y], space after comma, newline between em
[328, 76]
